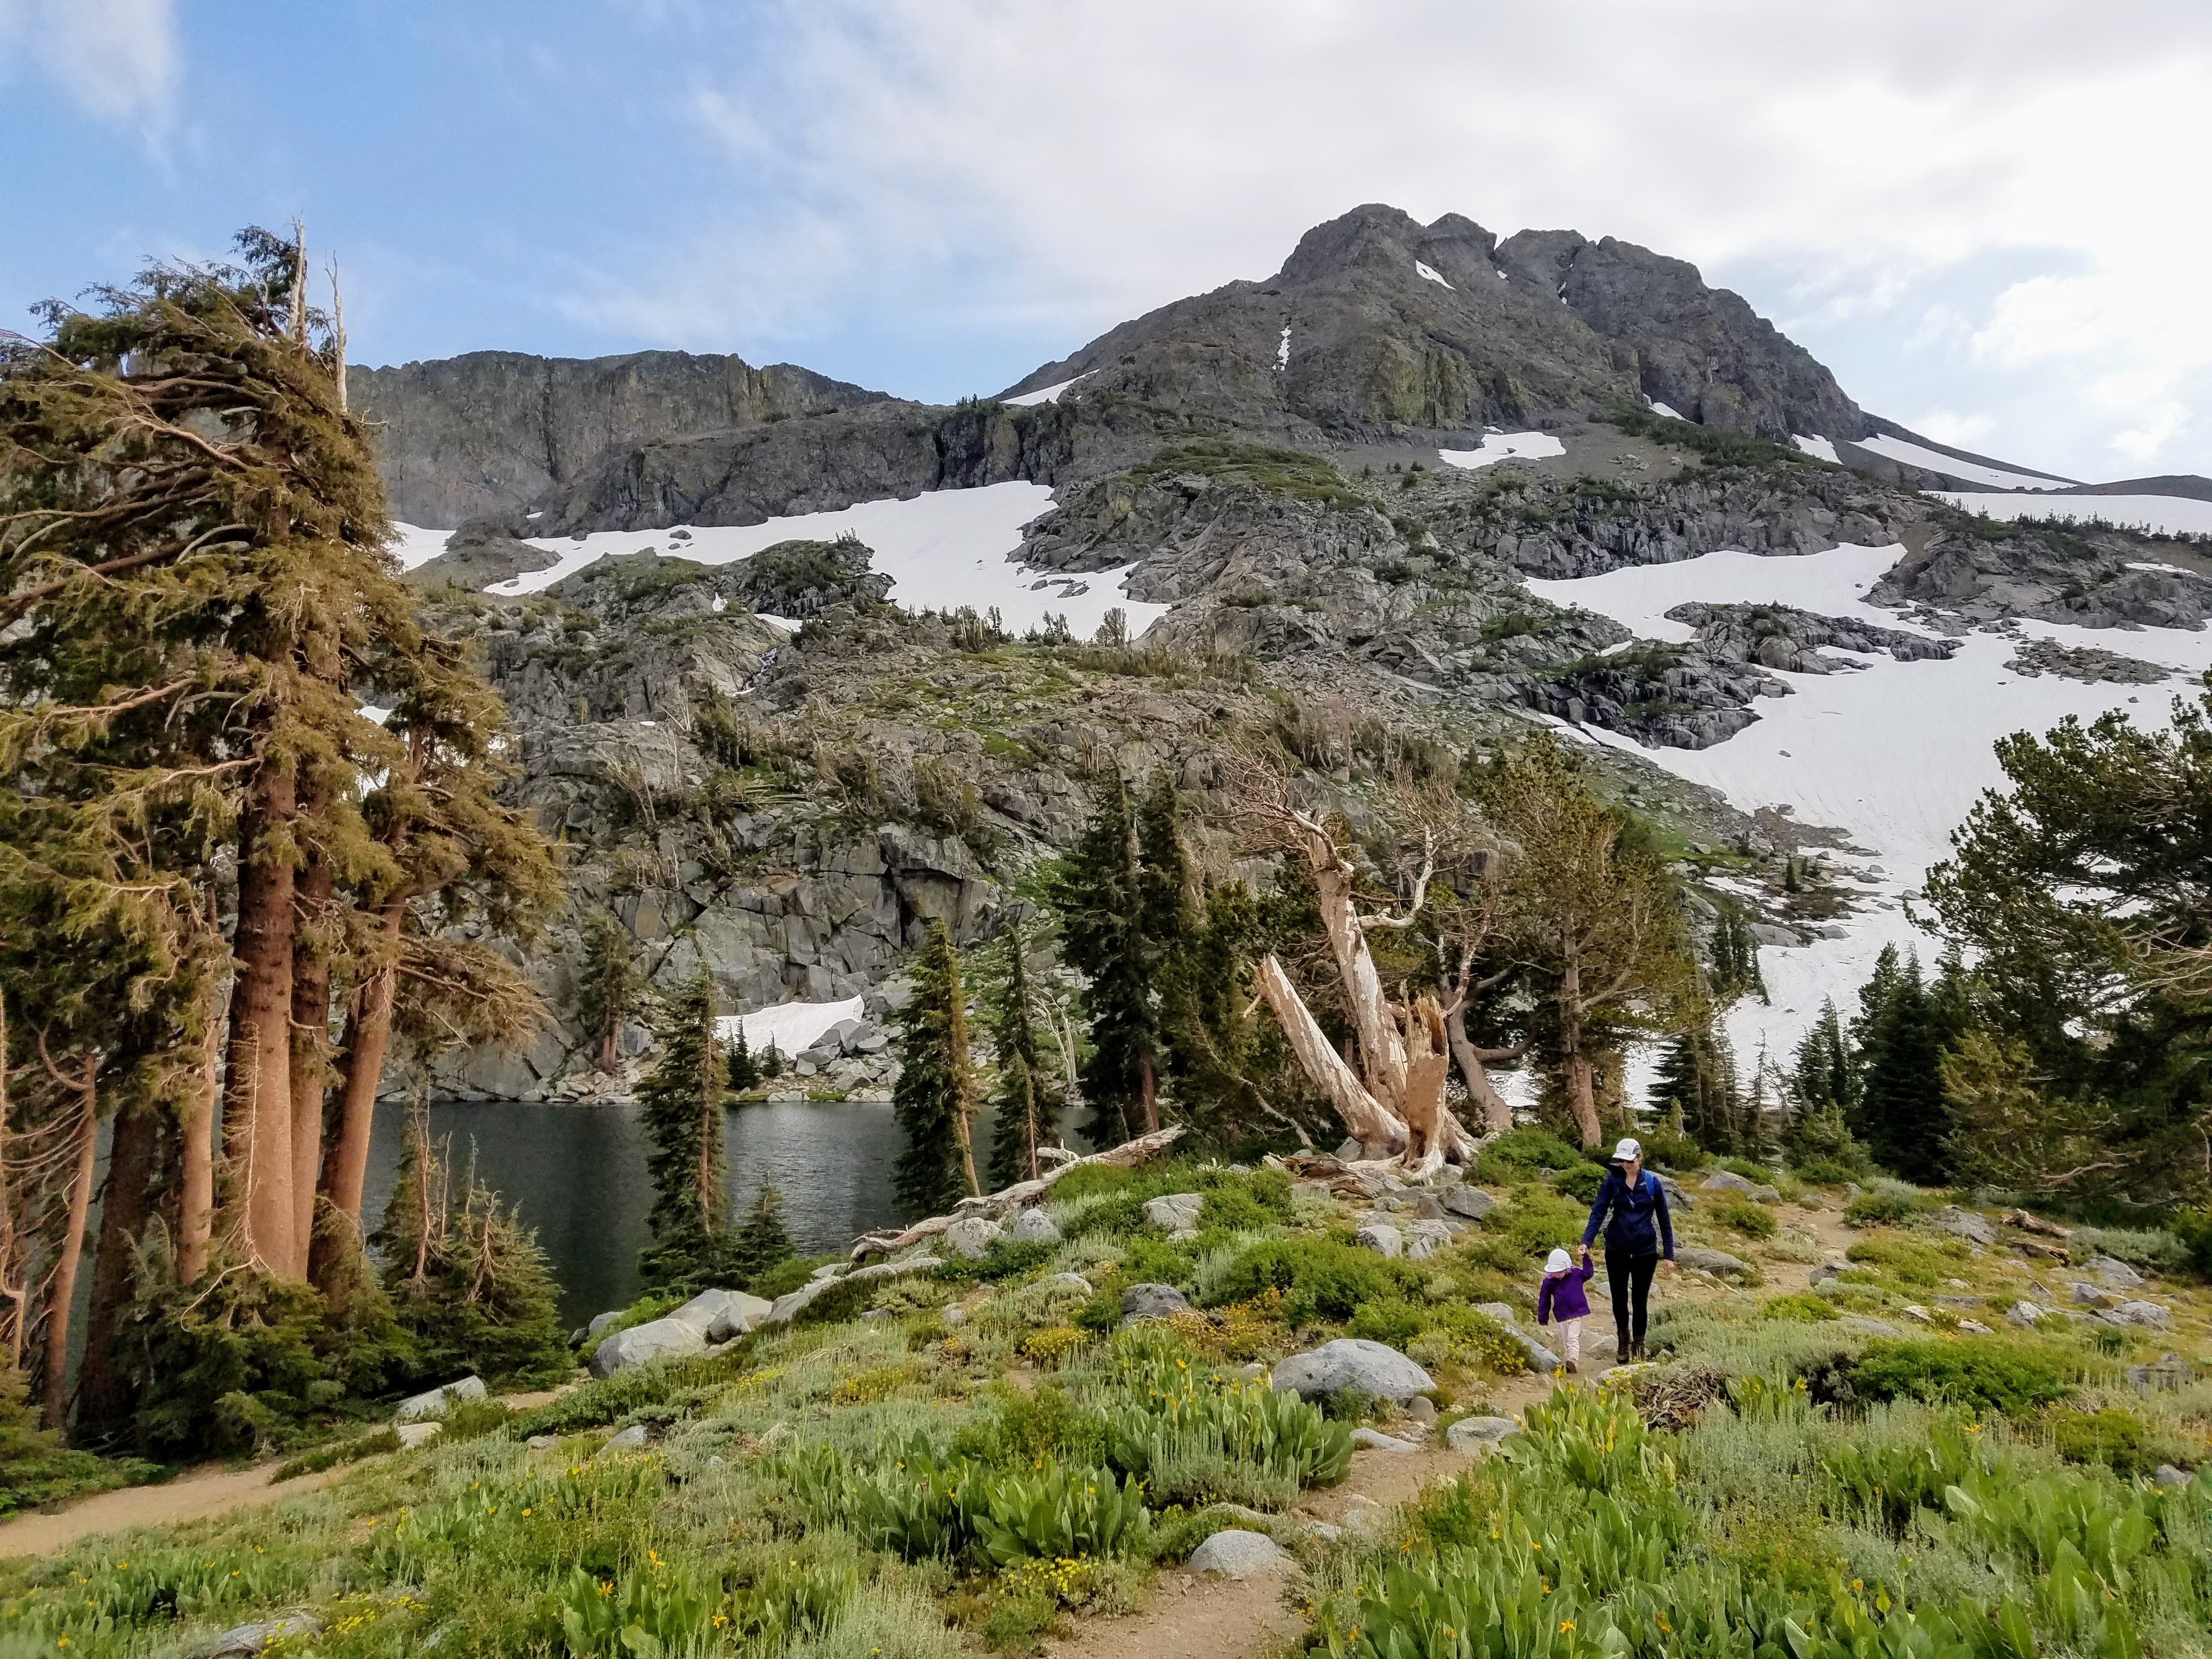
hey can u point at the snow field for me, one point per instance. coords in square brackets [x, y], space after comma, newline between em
[1894, 755]
[1046, 394]
[2161, 515]
[414, 545]
[1950, 466]
[1657, 408]
[1504, 447]
[791, 1026]
[1819, 448]
[1431, 274]
[942, 550]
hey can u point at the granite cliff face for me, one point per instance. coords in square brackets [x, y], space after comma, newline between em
[463, 436]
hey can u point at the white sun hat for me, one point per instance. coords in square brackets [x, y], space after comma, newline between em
[1630, 1147]
[1557, 1263]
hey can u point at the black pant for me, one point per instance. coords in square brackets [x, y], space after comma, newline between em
[1630, 1277]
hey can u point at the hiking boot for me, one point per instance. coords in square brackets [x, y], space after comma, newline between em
[1571, 1369]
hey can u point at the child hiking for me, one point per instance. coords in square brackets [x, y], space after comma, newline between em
[1561, 1296]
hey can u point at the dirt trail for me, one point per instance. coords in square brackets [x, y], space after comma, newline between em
[196, 1495]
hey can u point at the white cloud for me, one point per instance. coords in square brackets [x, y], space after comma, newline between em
[116, 59]
[1078, 162]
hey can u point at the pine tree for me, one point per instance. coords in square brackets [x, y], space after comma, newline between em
[1734, 971]
[1904, 1117]
[1697, 1081]
[1022, 1097]
[771, 1062]
[1099, 893]
[1827, 1078]
[607, 985]
[762, 1243]
[680, 1104]
[934, 1099]
[744, 1070]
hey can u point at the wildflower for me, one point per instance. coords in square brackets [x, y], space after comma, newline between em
[1858, 1584]
[526, 1515]
[1565, 1625]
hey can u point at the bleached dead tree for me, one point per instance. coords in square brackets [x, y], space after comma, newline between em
[1392, 1102]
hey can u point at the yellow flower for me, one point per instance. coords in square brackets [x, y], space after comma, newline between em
[1565, 1625]
[1858, 1584]
[526, 1515]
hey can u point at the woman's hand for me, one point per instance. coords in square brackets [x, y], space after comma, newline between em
[1667, 1267]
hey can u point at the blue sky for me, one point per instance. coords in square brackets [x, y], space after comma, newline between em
[1985, 217]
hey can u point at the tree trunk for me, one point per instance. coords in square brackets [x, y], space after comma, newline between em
[59, 1301]
[1581, 1097]
[258, 1115]
[195, 1132]
[1427, 1140]
[11, 1269]
[345, 1164]
[1496, 1115]
[1383, 1052]
[310, 1063]
[105, 1400]
[1370, 1124]
[1148, 1095]
[710, 1106]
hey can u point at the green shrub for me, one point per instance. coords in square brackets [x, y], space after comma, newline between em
[1390, 1321]
[2111, 1437]
[1521, 1155]
[1747, 1170]
[788, 1276]
[1987, 1373]
[1678, 1154]
[1005, 1258]
[338, 1452]
[1741, 1215]
[1579, 1181]
[1531, 1225]
[1321, 1277]
[1801, 1308]
[2193, 1229]
[2155, 1249]
[1908, 1260]
[1027, 1429]
[1887, 1203]
[1468, 1334]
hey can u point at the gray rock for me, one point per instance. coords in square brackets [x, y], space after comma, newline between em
[955, 1315]
[2112, 1274]
[1975, 1327]
[1540, 1358]
[2166, 1474]
[2152, 1313]
[1351, 1151]
[1425, 1237]
[1421, 1409]
[1075, 1282]
[2090, 1296]
[251, 1638]
[436, 1402]
[876, 1270]
[1861, 1325]
[600, 1322]
[700, 1312]
[1374, 1440]
[539, 1442]
[970, 1237]
[1727, 1181]
[1965, 1223]
[1476, 1435]
[739, 1314]
[1381, 1237]
[633, 1438]
[1696, 1257]
[1373, 1368]
[1826, 1271]
[2026, 1314]
[2172, 1371]
[1678, 1198]
[1328, 1531]
[1430, 1207]
[1472, 1202]
[1033, 1227]
[576, 1337]
[640, 1345]
[412, 1435]
[1142, 1302]
[1174, 1212]
[1237, 1554]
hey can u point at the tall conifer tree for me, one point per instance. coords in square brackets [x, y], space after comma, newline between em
[680, 1102]
[1023, 1096]
[934, 1099]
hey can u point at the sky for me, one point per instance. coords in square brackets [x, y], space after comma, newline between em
[1987, 217]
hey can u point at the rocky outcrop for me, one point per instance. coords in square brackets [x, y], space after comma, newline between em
[1782, 637]
[460, 437]
[1975, 572]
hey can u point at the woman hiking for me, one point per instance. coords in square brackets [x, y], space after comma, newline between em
[1632, 1207]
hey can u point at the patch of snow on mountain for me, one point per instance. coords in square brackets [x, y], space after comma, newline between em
[2161, 515]
[414, 545]
[1658, 408]
[942, 550]
[1283, 348]
[1046, 394]
[1819, 448]
[1897, 449]
[1504, 447]
[1894, 755]
[791, 1026]
[1432, 274]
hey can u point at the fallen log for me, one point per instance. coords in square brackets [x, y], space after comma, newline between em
[1019, 1196]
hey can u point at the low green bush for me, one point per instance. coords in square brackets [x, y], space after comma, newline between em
[2155, 1249]
[1319, 1278]
[2111, 1436]
[1678, 1154]
[788, 1276]
[1887, 1203]
[1985, 1373]
[1908, 1260]
[1801, 1308]
[337, 1453]
[1521, 1155]
[1747, 1170]
[1006, 1258]
[1532, 1224]
[1741, 1215]
[1579, 1181]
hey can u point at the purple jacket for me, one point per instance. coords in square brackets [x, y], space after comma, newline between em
[1561, 1294]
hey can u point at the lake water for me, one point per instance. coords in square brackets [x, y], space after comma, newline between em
[577, 1175]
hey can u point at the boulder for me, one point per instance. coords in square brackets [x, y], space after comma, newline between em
[1696, 1257]
[1476, 1435]
[541, 1442]
[703, 1310]
[412, 1435]
[1727, 1181]
[1472, 1202]
[2090, 1296]
[633, 1438]
[1033, 1227]
[658, 1338]
[1541, 1358]
[2171, 1372]
[1965, 1223]
[2166, 1474]
[2152, 1313]
[875, 1270]
[1424, 1238]
[970, 1237]
[1374, 1440]
[2026, 1314]
[740, 1313]
[1381, 1237]
[1864, 1326]
[1142, 1302]
[1677, 1198]
[1422, 1409]
[1351, 1362]
[1430, 1207]
[600, 1323]
[437, 1400]
[1238, 1554]
[1075, 1282]
[252, 1638]
[1176, 1212]
[1974, 1328]
[2113, 1273]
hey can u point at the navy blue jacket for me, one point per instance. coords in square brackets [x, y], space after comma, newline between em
[1635, 1209]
